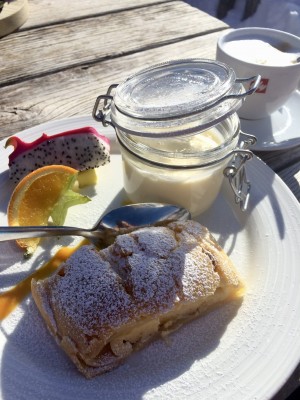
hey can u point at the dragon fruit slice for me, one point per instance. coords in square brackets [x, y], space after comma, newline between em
[82, 149]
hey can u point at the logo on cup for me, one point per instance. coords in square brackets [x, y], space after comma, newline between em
[262, 88]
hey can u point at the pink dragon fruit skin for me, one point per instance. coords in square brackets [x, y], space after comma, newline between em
[82, 149]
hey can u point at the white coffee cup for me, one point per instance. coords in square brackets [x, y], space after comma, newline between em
[240, 50]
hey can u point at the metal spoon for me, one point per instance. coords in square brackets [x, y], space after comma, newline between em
[120, 220]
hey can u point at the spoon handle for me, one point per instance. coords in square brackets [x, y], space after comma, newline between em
[25, 232]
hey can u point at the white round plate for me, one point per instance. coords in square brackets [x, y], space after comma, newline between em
[240, 351]
[278, 131]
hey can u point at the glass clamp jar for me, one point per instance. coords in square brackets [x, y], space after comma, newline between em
[179, 132]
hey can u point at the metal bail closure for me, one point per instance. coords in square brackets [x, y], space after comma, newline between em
[102, 114]
[236, 172]
[253, 85]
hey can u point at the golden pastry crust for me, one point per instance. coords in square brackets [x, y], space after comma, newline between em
[102, 305]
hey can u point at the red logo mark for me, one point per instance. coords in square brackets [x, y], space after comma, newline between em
[262, 88]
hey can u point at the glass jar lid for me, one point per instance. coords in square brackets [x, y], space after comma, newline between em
[174, 89]
[174, 98]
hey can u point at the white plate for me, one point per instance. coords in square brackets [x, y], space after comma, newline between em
[278, 131]
[236, 352]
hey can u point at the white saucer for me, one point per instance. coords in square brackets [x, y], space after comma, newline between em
[281, 130]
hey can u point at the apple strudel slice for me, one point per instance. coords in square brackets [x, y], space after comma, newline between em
[102, 305]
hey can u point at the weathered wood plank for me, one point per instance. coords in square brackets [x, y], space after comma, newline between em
[55, 48]
[46, 12]
[278, 159]
[73, 92]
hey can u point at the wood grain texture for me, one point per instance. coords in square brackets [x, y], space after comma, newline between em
[48, 12]
[41, 51]
[278, 159]
[74, 91]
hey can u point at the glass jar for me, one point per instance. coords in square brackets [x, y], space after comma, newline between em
[178, 131]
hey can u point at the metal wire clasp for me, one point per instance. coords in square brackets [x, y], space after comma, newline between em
[236, 172]
[102, 114]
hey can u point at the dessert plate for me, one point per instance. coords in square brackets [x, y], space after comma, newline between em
[278, 131]
[242, 350]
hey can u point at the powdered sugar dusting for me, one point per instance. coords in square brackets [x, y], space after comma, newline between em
[199, 278]
[197, 281]
[142, 273]
[145, 271]
[90, 293]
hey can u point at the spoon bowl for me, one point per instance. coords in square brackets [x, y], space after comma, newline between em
[118, 221]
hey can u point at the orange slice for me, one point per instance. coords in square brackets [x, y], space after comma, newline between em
[35, 197]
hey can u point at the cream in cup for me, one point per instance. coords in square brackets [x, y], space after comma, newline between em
[178, 129]
[271, 53]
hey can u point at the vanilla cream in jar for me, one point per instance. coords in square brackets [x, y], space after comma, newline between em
[178, 130]
[189, 186]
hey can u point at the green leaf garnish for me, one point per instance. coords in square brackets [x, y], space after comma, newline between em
[68, 199]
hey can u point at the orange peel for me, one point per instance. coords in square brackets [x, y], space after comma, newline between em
[35, 198]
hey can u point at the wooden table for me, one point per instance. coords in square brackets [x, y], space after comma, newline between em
[69, 52]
